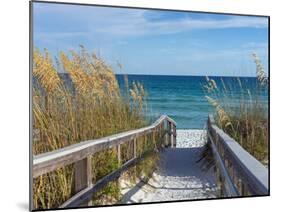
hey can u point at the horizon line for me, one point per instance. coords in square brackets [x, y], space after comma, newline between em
[183, 75]
[176, 75]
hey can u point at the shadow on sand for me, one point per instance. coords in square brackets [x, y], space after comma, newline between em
[178, 172]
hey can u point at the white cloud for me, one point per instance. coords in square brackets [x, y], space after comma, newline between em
[133, 22]
[138, 25]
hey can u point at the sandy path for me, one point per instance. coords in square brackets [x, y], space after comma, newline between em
[179, 177]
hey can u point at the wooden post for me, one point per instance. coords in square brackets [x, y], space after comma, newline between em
[226, 163]
[240, 186]
[171, 134]
[175, 135]
[219, 180]
[235, 177]
[161, 135]
[231, 171]
[167, 136]
[245, 190]
[208, 135]
[144, 144]
[216, 138]
[119, 155]
[119, 162]
[153, 138]
[135, 147]
[222, 185]
[83, 176]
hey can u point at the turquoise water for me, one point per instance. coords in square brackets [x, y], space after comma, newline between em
[183, 98]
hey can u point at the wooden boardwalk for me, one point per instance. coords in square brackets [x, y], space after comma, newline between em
[179, 176]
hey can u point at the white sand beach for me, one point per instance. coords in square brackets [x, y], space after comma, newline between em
[179, 177]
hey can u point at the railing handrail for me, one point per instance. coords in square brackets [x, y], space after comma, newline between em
[49, 161]
[252, 170]
[230, 190]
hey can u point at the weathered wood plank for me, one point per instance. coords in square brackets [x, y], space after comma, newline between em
[86, 193]
[119, 155]
[83, 174]
[250, 170]
[227, 181]
[175, 135]
[135, 147]
[80, 154]
[173, 140]
[50, 161]
[170, 134]
[166, 139]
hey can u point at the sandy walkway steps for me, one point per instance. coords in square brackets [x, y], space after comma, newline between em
[179, 177]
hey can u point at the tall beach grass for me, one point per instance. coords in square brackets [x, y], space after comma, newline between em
[89, 107]
[245, 116]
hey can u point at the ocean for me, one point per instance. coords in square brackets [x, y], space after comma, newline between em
[183, 98]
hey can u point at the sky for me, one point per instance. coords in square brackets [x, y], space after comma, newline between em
[153, 41]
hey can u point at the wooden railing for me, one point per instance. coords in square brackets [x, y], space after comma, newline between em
[80, 155]
[238, 172]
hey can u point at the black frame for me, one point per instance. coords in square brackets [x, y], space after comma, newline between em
[128, 7]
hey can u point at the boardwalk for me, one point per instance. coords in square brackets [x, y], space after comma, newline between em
[179, 177]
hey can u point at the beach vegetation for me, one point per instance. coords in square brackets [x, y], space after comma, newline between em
[241, 112]
[74, 99]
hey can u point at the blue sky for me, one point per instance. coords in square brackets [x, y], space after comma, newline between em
[153, 41]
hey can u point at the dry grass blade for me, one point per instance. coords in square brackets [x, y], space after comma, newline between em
[246, 122]
[67, 109]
